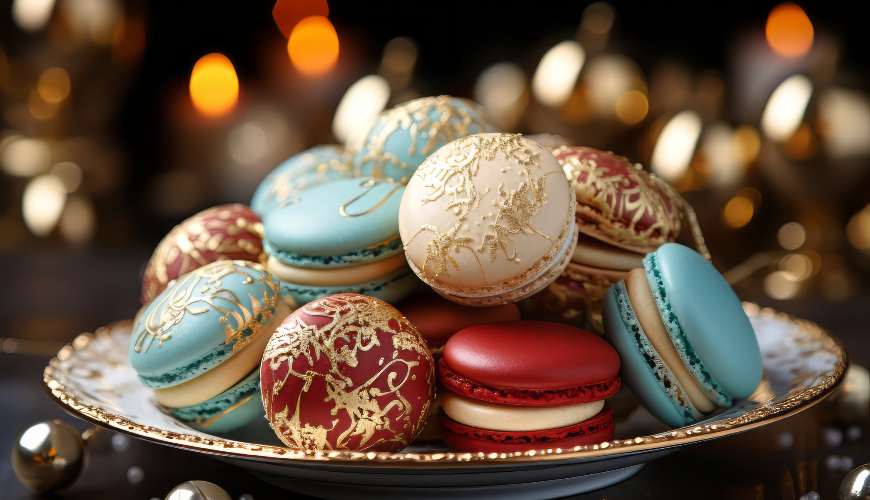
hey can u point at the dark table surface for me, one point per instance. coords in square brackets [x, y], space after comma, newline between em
[60, 294]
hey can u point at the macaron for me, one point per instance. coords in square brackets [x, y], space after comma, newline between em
[311, 167]
[229, 410]
[347, 372]
[199, 340]
[404, 136]
[225, 232]
[525, 385]
[488, 219]
[339, 237]
[686, 344]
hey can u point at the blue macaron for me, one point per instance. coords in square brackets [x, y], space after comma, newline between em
[227, 411]
[311, 167]
[715, 358]
[339, 237]
[405, 135]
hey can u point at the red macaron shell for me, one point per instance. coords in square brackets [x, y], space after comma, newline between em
[225, 232]
[437, 318]
[531, 355]
[460, 437]
[347, 372]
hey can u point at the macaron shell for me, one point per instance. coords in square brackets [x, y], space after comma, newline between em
[207, 316]
[531, 355]
[311, 167]
[225, 232]
[227, 411]
[404, 136]
[596, 430]
[642, 370]
[710, 316]
[337, 218]
[438, 319]
[473, 219]
[593, 253]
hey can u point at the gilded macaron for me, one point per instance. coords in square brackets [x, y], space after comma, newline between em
[197, 341]
[686, 344]
[405, 135]
[488, 219]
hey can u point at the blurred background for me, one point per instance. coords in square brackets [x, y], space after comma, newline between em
[119, 119]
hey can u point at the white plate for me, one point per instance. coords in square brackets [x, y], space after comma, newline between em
[92, 380]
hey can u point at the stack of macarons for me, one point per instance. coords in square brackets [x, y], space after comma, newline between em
[526, 385]
[686, 344]
[198, 343]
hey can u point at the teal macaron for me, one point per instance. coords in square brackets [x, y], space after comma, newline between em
[405, 135]
[339, 237]
[309, 168]
[227, 411]
[686, 344]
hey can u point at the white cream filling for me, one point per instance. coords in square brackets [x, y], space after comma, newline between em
[340, 276]
[226, 374]
[499, 417]
[594, 253]
[642, 301]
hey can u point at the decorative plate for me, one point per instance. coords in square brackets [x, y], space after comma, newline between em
[92, 380]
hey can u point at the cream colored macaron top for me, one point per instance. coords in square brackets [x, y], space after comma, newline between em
[485, 214]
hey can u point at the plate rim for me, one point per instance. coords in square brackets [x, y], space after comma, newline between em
[761, 415]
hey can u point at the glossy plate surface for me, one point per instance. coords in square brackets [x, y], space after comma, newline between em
[92, 379]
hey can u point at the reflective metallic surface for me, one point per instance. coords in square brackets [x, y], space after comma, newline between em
[48, 456]
[198, 490]
[856, 485]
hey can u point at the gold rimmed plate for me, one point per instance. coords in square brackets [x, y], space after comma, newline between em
[92, 379]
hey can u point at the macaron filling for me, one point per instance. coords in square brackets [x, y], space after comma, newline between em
[511, 418]
[526, 397]
[678, 336]
[383, 250]
[335, 276]
[209, 412]
[664, 377]
[224, 375]
[594, 253]
[389, 287]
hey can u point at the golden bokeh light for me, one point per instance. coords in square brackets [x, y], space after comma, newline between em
[791, 236]
[858, 229]
[214, 86]
[802, 145]
[313, 46]
[39, 108]
[778, 285]
[796, 266]
[789, 30]
[747, 143]
[53, 85]
[738, 211]
[632, 107]
[288, 13]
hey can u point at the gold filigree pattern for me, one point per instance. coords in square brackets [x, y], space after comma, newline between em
[202, 289]
[438, 250]
[62, 386]
[354, 322]
[452, 123]
[289, 184]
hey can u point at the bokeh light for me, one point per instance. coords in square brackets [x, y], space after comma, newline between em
[723, 159]
[313, 46]
[25, 157]
[789, 30]
[556, 74]
[78, 220]
[609, 78]
[791, 236]
[747, 143]
[39, 108]
[632, 107]
[845, 116]
[247, 143]
[214, 86]
[358, 108]
[32, 15]
[69, 174]
[858, 229]
[42, 204]
[778, 285]
[786, 107]
[802, 145]
[501, 89]
[796, 266]
[397, 63]
[676, 145]
[53, 85]
[598, 18]
[288, 13]
[738, 211]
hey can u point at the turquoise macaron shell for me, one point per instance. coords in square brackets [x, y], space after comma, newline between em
[201, 320]
[339, 223]
[641, 368]
[706, 321]
[224, 413]
[404, 136]
[390, 288]
[311, 167]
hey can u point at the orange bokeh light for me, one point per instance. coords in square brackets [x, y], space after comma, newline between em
[214, 86]
[288, 13]
[789, 30]
[313, 46]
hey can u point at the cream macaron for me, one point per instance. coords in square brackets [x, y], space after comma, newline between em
[488, 219]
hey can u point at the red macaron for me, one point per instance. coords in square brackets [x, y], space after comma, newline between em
[523, 385]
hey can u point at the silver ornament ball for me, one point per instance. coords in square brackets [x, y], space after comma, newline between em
[856, 485]
[198, 490]
[48, 456]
